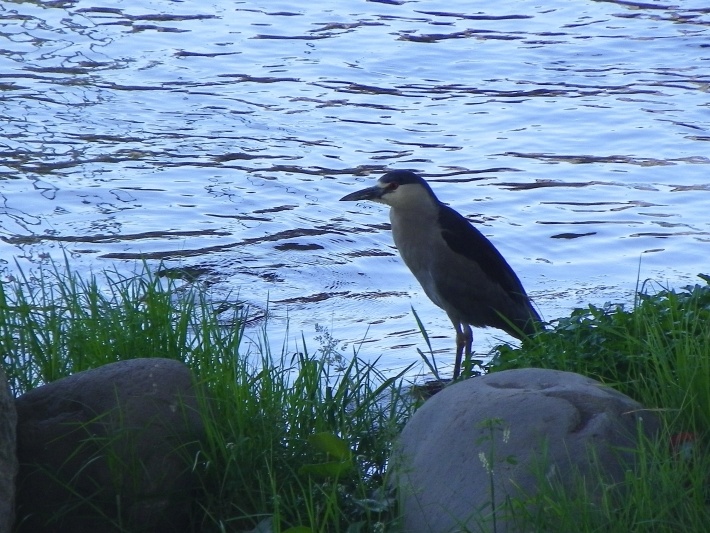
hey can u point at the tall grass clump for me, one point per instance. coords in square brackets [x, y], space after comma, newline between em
[56, 323]
[657, 352]
[323, 439]
[294, 441]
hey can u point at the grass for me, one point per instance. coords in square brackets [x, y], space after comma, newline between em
[657, 352]
[300, 442]
[292, 440]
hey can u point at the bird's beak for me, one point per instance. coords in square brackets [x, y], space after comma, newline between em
[371, 193]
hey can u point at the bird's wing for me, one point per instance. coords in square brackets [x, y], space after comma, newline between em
[464, 239]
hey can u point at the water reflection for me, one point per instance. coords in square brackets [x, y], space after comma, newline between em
[218, 139]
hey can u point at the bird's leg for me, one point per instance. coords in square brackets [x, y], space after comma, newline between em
[464, 339]
[460, 341]
[468, 341]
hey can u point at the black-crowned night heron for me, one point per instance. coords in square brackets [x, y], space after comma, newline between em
[456, 265]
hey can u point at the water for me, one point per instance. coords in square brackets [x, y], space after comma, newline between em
[219, 136]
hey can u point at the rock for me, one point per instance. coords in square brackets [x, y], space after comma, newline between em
[8, 458]
[504, 428]
[109, 449]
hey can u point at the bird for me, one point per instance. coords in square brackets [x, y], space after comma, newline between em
[457, 266]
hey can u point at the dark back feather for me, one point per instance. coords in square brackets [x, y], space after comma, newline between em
[463, 238]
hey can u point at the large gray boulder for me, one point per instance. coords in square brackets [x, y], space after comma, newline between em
[109, 450]
[510, 429]
[8, 458]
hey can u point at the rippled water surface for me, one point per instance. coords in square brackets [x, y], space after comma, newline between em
[220, 135]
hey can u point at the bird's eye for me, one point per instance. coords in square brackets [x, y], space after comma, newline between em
[392, 187]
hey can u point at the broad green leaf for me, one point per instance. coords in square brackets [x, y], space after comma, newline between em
[331, 444]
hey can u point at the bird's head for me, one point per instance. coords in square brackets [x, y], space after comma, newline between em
[398, 189]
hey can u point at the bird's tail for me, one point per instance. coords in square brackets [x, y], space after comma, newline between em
[525, 326]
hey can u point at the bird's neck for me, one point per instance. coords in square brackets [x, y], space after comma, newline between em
[417, 213]
[413, 226]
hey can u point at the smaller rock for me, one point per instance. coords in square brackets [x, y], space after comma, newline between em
[510, 429]
[109, 449]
